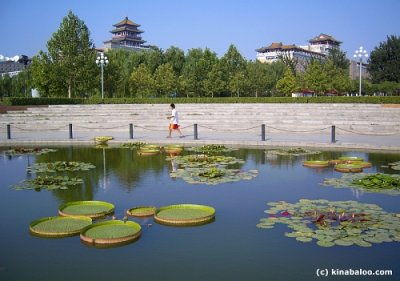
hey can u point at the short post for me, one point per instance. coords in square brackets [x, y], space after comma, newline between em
[195, 132]
[262, 132]
[8, 131]
[131, 131]
[70, 132]
[333, 132]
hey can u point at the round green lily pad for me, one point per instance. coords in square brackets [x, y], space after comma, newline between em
[113, 232]
[316, 164]
[59, 226]
[349, 168]
[184, 214]
[92, 209]
[142, 211]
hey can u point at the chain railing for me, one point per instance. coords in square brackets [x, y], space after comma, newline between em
[33, 128]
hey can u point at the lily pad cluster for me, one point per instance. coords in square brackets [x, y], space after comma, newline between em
[30, 151]
[60, 166]
[209, 167]
[211, 149]
[213, 175]
[374, 182]
[49, 183]
[330, 223]
[292, 152]
[133, 145]
[201, 160]
[393, 166]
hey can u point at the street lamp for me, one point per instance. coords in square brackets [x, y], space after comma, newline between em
[360, 54]
[102, 61]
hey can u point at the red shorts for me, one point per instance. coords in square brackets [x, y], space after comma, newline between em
[173, 126]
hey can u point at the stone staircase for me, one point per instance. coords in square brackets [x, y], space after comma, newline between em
[304, 118]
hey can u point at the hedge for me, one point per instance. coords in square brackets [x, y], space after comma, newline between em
[53, 101]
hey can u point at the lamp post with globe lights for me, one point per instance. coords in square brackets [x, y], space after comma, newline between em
[102, 61]
[360, 54]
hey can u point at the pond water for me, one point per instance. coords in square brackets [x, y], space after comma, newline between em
[230, 248]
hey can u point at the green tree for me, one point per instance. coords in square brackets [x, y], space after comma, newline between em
[315, 78]
[291, 62]
[215, 83]
[142, 82]
[165, 80]
[287, 84]
[238, 83]
[70, 60]
[339, 59]
[257, 75]
[154, 58]
[176, 58]
[384, 61]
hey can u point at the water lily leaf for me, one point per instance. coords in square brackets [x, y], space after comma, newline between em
[342, 242]
[324, 243]
[304, 239]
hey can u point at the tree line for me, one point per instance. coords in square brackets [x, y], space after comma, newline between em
[68, 69]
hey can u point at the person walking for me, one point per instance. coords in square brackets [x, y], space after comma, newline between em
[174, 121]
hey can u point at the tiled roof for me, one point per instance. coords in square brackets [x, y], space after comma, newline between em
[126, 21]
[323, 37]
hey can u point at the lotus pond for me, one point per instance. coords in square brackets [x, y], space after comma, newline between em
[275, 219]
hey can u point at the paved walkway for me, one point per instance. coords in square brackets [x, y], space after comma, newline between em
[244, 139]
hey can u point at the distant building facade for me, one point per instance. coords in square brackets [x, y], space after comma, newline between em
[318, 48]
[354, 70]
[126, 35]
[13, 66]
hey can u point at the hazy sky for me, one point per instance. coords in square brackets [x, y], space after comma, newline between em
[26, 26]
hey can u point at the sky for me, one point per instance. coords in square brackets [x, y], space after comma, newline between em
[27, 25]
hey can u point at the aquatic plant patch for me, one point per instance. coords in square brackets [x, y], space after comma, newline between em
[201, 160]
[334, 223]
[213, 176]
[374, 182]
[211, 149]
[292, 152]
[103, 139]
[393, 166]
[59, 226]
[49, 183]
[60, 166]
[32, 151]
[133, 145]
[93, 209]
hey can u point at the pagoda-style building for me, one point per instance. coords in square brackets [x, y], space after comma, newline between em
[126, 35]
[323, 43]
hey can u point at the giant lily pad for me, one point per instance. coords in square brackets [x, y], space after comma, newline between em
[349, 168]
[59, 226]
[379, 183]
[111, 233]
[60, 166]
[330, 223]
[92, 209]
[49, 183]
[184, 214]
[316, 164]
